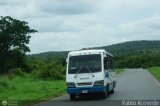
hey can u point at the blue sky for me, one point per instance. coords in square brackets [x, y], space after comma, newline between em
[74, 24]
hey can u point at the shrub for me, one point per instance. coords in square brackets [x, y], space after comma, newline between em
[4, 83]
[17, 71]
[47, 74]
[56, 74]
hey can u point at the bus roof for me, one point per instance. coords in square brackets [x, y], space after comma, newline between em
[89, 51]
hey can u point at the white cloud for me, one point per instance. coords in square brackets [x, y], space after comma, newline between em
[65, 7]
[73, 24]
[142, 27]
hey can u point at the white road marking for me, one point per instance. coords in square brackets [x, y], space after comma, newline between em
[156, 81]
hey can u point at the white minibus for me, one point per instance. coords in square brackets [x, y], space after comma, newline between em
[90, 71]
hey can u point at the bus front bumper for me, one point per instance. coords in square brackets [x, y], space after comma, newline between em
[79, 90]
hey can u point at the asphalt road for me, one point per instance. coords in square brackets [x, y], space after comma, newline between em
[132, 85]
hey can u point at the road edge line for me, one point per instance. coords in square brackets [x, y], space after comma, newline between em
[48, 100]
[155, 80]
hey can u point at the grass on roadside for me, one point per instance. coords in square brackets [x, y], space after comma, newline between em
[28, 88]
[155, 71]
[118, 71]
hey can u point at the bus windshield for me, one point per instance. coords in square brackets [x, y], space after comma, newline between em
[84, 64]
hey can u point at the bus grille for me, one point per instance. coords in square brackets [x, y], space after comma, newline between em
[84, 83]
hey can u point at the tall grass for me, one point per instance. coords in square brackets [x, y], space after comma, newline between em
[28, 88]
[118, 70]
[155, 71]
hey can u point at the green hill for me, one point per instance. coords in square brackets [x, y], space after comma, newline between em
[134, 47]
[130, 54]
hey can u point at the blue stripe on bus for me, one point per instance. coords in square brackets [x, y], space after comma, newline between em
[78, 90]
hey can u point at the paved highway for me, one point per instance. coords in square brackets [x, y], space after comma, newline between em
[132, 84]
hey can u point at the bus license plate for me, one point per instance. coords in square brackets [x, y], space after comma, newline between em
[84, 91]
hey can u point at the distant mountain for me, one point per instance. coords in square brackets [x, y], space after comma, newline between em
[134, 47]
[131, 47]
[50, 55]
[142, 53]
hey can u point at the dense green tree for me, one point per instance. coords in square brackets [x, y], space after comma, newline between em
[14, 37]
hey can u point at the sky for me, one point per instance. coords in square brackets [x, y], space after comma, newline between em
[74, 24]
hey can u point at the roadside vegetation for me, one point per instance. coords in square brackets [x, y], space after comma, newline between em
[29, 90]
[155, 71]
[118, 71]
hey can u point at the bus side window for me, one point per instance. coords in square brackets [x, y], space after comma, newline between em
[109, 63]
[113, 65]
[105, 63]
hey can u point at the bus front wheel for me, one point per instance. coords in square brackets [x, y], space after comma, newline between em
[73, 97]
[112, 91]
[104, 94]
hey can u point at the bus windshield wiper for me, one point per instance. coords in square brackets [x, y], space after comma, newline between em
[78, 71]
[90, 71]
[86, 68]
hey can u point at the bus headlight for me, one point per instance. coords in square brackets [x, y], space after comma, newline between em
[70, 84]
[99, 83]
